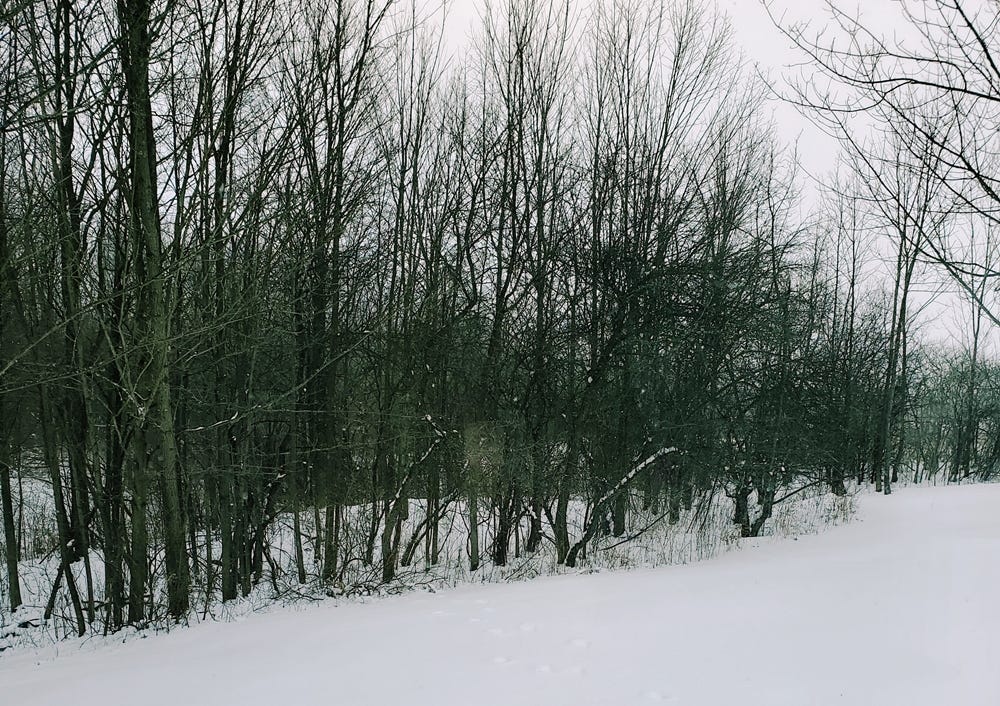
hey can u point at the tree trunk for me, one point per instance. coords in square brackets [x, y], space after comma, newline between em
[10, 538]
[618, 515]
[741, 514]
[300, 563]
[473, 530]
[51, 453]
[156, 450]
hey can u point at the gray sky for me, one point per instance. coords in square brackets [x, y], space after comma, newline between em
[942, 317]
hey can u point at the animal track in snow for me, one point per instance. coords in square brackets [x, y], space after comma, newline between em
[658, 697]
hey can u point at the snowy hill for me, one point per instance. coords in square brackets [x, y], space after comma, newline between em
[898, 608]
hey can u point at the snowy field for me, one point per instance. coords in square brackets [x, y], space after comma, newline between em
[704, 531]
[897, 609]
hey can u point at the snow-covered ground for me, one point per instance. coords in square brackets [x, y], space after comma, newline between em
[896, 609]
[702, 532]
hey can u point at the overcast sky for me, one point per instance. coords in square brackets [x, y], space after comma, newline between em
[942, 317]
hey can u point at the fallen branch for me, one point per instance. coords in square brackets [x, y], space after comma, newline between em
[603, 501]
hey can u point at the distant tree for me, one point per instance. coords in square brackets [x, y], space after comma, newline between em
[932, 87]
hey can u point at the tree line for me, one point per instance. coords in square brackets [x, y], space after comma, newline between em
[300, 260]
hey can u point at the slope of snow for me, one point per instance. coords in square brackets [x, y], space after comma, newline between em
[701, 532]
[898, 608]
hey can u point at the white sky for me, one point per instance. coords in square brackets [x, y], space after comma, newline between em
[942, 317]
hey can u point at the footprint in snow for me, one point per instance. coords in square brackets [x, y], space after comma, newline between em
[658, 697]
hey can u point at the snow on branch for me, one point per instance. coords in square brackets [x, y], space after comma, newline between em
[439, 435]
[636, 470]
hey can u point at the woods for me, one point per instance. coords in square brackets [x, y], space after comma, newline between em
[300, 265]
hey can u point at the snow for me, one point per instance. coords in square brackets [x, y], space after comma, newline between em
[701, 532]
[896, 608]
